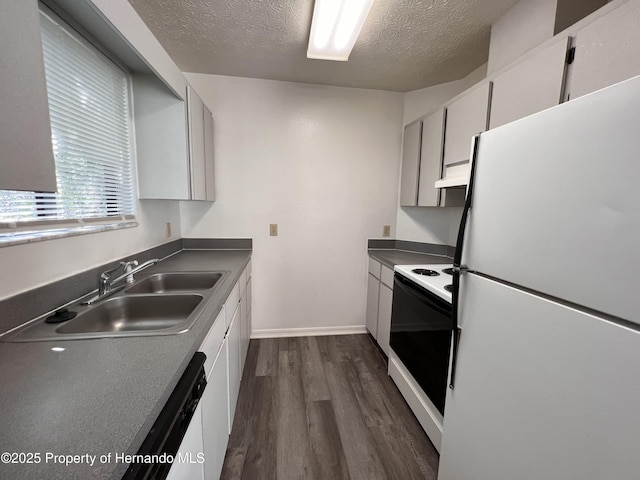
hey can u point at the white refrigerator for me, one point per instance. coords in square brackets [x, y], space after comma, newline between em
[547, 365]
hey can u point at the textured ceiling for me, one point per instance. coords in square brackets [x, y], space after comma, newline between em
[404, 44]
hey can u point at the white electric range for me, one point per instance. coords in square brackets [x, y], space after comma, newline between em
[436, 278]
[420, 341]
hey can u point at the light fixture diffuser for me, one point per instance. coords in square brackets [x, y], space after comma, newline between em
[335, 28]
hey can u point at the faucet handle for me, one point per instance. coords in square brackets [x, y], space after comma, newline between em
[128, 266]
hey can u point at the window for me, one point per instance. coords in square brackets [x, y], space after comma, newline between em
[91, 135]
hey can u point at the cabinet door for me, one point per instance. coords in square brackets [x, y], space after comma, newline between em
[410, 164]
[244, 329]
[431, 158]
[249, 324]
[373, 287]
[190, 449]
[213, 342]
[384, 317]
[208, 156]
[26, 161]
[606, 51]
[466, 117]
[531, 86]
[161, 140]
[235, 370]
[196, 146]
[231, 305]
[215, 418]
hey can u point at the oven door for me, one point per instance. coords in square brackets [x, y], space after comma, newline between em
[421, 329]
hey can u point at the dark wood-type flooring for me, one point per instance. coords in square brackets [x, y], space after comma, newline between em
[323, 408]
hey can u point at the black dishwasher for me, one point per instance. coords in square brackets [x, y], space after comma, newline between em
[168, 431]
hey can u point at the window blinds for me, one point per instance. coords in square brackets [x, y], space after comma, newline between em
[90, 131]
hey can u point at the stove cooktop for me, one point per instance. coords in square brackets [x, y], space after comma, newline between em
[434, 278]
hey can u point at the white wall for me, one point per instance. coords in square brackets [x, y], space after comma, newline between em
[321, 162]
[31, 265]
[421, 224]
[525, 25]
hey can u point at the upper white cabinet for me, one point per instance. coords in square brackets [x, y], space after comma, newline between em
[174, 129]
[466, 117]
[26, 161]
[200, 154]
[410, 164]
[174, 141]
[531, 86]
[161, 140]
[422, 161]
[606, 51]
[197, 160]
[208, 155]
[431, 159]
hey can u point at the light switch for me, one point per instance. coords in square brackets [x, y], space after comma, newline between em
[273, 229]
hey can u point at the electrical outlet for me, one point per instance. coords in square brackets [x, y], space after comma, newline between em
[386, 230]
[273, 229]
[168, 230]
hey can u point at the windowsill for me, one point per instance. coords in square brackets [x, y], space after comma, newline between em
[20, 238]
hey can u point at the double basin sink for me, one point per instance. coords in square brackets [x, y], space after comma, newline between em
[160, 304]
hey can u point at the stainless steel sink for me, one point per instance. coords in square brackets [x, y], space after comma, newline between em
[176, 282]
[118, 316]
[134, 314]
[161, 304]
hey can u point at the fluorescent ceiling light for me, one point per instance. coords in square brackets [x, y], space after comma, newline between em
[335, 27]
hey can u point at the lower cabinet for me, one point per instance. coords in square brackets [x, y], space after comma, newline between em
[235, 369]
[384, 317]
[225, 348]
[215, 418]
[379, 301]
[188, 463]
[245, 323]
[373, 289]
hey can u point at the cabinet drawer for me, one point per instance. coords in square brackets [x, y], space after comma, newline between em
[232, 303]
[374, 267]
[387, 276]
[213, 341]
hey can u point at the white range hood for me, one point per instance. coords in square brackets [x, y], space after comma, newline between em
[454, 176]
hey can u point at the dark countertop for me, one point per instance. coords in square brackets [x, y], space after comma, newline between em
[393, 257]
[100, 396]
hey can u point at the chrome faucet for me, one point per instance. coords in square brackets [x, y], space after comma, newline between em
[106, 282]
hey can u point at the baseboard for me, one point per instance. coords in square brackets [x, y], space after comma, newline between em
[308, 332]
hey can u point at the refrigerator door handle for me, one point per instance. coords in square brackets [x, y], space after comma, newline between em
[459, 269]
